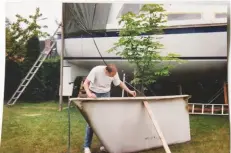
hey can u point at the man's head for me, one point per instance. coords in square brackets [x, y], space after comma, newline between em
[111, 70]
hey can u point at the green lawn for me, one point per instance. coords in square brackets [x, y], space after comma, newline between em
[40, 128]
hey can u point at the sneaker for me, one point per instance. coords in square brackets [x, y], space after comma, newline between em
[102, 149]
[87, 150]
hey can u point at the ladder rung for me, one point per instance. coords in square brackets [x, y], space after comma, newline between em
[212, 109]
[32, 73]
[35, 68]
[222, 109]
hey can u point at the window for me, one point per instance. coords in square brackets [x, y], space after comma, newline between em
[183, 16]
[135, 8]
[221, 15]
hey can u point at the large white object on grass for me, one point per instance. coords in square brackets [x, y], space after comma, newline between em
[122, 124]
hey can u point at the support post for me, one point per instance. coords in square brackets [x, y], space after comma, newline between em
[61, 75]
[228, 67]
[61, 66]
[225, 93]
[123, 82]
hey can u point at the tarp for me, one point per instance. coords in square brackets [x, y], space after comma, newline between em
[80, 18]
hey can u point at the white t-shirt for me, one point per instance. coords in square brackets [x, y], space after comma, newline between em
[99, 81]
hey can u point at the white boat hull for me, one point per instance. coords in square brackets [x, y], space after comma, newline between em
[204, 52]
[123, 124]
[188, 45]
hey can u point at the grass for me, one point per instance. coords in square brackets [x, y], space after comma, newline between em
[40, 128]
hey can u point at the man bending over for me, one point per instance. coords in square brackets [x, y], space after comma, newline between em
[98, 84]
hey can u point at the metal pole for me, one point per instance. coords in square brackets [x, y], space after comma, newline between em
[123, 82]
[61, 66]
[180, 89]
[228, 67]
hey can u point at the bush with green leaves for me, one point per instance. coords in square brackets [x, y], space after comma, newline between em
[43, 87]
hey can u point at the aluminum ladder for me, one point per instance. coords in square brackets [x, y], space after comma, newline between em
[208, 109]
[49, 44]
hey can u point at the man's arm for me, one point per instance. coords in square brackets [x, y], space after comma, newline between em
[86, 86]
[90, 78]
[117, 82]
[123, 86]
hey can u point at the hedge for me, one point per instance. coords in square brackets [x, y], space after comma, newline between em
[43, 87]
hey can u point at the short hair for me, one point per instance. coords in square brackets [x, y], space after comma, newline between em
[111, 68]
[84, 78]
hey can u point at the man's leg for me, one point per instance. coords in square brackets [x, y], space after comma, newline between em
[88, 137]
[89, 131]
[104, 95]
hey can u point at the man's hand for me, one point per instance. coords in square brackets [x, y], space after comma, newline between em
[123, 86]
[91, 95]
[133, 93]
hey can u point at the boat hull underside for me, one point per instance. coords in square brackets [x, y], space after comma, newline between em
[189, 70]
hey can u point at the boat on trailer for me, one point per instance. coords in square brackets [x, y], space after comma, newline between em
[124, 126]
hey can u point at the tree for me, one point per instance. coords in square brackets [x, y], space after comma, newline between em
[140, 48]
[17, 36]
[22, 42]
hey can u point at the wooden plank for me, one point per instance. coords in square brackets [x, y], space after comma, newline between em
[146, 104]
